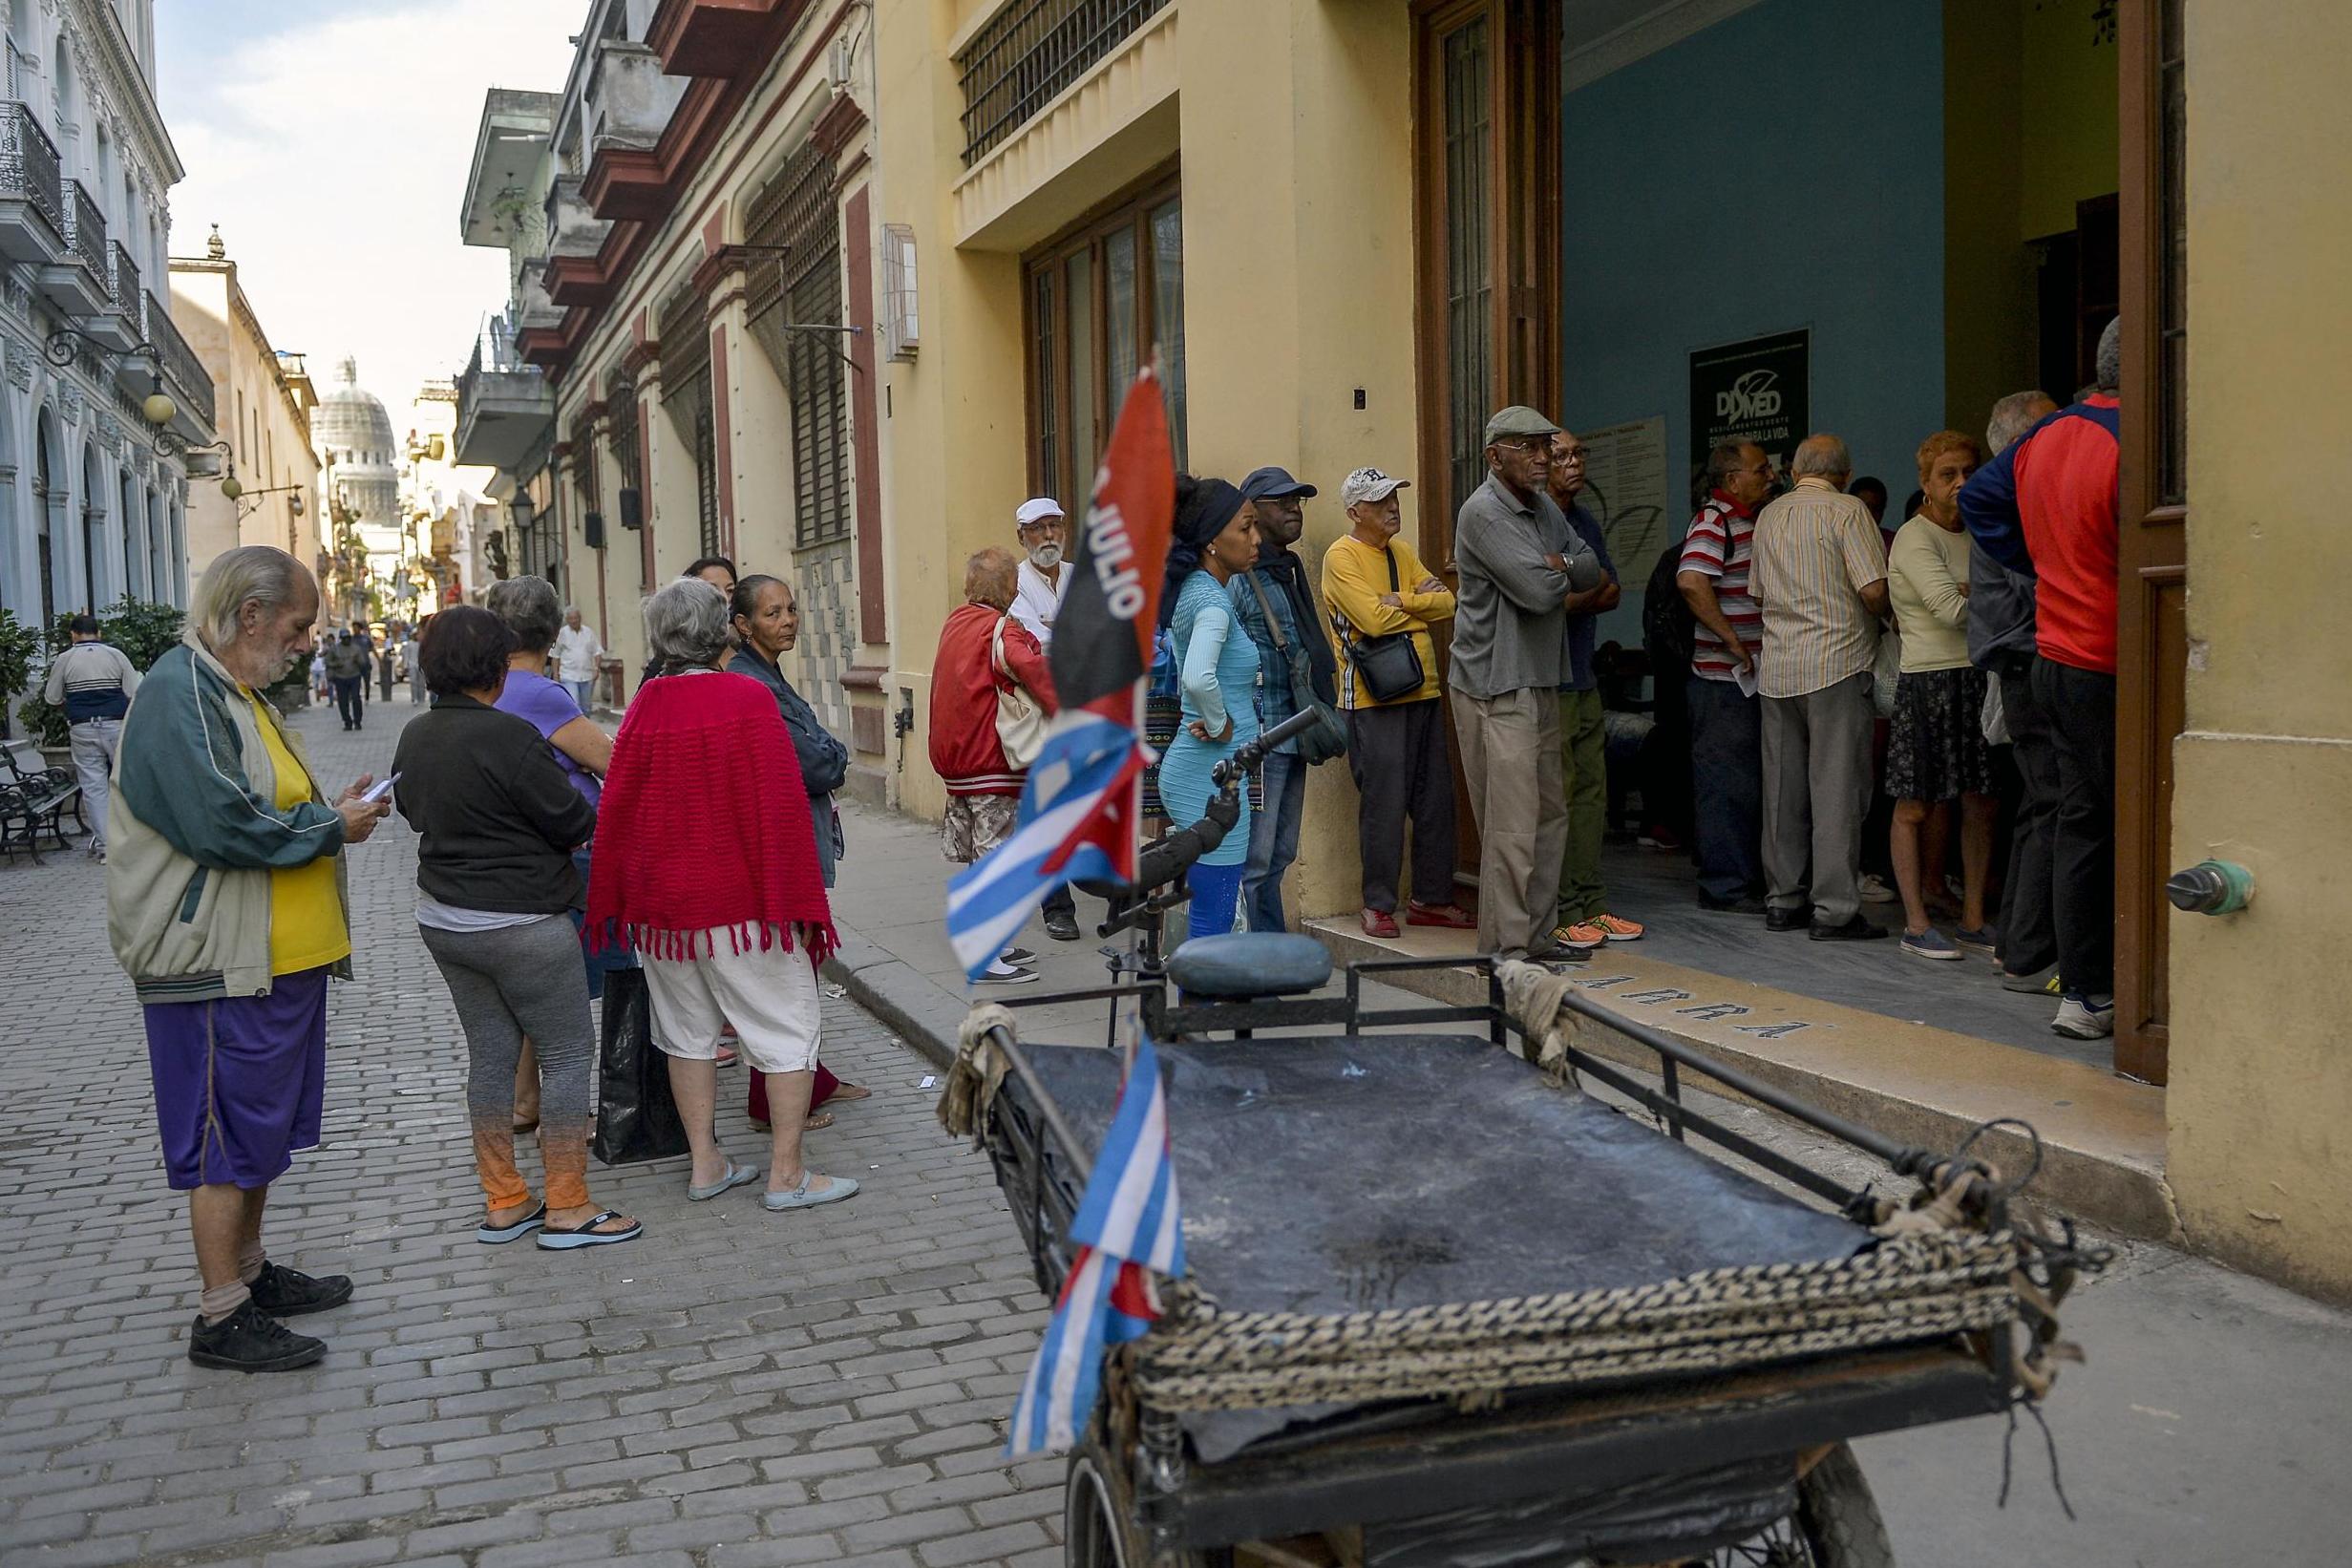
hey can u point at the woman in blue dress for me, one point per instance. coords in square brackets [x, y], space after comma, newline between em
[1214, 541]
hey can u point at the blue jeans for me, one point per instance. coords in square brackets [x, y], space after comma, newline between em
[1214, 890]
[1274, 841]
[580, 691]
[1726, 765]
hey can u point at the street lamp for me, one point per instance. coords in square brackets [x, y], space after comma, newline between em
[157, 408]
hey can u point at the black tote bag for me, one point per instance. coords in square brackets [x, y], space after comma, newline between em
[636, 1118]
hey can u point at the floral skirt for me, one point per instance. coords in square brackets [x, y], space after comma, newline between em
[1935, 746]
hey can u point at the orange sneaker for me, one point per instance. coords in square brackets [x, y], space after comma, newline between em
[1616, 927]
[1582, 934]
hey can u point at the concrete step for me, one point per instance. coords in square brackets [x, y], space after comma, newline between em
[2102, 1137]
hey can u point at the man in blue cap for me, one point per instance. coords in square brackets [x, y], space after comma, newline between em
[1274, 595]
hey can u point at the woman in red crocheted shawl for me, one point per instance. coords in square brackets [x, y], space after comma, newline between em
[706, 858]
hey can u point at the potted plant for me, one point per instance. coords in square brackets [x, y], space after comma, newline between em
[20, 654]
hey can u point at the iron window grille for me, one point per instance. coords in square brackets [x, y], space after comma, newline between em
[1033, 49]
[797, 282]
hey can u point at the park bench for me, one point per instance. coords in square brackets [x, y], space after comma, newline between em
[34, 798]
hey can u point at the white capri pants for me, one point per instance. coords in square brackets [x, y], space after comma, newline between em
[769, 995]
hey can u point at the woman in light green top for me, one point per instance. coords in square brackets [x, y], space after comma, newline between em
[1936, 747]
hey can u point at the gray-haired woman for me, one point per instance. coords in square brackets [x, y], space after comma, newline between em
[706, 858]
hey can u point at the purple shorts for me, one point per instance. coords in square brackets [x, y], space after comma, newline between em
[239, 1082]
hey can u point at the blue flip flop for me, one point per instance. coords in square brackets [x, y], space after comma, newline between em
[497, 1236]
[587, 1235]
[737, 1175]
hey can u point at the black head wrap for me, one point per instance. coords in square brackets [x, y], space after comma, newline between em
[1203, 509]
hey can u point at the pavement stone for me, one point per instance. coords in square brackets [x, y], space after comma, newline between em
[676, 1403]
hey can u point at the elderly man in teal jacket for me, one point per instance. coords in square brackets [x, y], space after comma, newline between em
[225, 903]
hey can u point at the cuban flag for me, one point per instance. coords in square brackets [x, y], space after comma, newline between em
[1083, 798]
[1130, 1233]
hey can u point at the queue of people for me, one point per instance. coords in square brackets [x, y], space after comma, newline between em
[697, 845]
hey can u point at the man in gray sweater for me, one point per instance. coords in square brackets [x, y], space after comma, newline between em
[1519, 561]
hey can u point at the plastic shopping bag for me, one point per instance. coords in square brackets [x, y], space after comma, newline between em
[636, 1118]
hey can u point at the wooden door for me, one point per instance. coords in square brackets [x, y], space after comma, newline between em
[2151, 640]
[1486, 250]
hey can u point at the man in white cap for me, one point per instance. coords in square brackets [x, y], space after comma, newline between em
[1377, 588]
[1041, 583]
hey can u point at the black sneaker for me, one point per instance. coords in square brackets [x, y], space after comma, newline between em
[1746, 904]
[284, 1293]
[249, 1340]
[1061, 925]
[1856, 929]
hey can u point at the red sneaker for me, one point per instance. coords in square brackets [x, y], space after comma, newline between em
[1452, 916]
[1379, 923]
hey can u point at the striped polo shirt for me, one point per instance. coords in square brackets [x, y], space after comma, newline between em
[1718, 546]
[1815, 550]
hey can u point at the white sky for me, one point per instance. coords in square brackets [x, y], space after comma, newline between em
[331, 142]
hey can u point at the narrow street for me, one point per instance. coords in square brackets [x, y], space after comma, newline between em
[743, 1388]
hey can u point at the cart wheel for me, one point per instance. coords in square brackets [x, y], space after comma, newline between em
[1094, 1528]
[1836, 1525]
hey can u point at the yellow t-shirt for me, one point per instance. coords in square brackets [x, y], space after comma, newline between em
[1354, 576]
[307, 930]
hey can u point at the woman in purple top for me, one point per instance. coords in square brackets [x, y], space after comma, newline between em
[532, 613]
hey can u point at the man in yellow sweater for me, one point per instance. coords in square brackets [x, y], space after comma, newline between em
[1377, 587]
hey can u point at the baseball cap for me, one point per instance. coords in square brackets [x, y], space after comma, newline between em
[1519, 419]
[1265, 484]
[1038, 510]
[1369, 485]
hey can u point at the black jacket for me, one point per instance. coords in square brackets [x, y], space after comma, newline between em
[499, 814]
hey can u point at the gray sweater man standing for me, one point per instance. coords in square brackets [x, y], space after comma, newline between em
[1519, 561]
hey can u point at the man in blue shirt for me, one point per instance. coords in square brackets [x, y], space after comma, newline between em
[1584, 917]
[1280, 577]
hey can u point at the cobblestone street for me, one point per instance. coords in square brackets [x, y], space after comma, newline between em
[738, 1388]
[734, 1388]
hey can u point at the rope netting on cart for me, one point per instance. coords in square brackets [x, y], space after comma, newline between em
[1906, 1290]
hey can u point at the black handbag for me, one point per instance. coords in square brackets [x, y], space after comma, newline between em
[1326, 737]
[636, 1117]
[1389, 666]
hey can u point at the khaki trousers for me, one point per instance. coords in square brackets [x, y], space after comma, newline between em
[1511, 761]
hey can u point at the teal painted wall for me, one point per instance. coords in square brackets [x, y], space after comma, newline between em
[1782, 168]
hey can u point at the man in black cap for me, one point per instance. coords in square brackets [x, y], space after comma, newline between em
[1278, 587]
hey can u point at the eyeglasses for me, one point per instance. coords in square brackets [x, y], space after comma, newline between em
[1524, 443]
[1574, 454]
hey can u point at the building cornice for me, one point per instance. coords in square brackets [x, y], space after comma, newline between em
[103, 31]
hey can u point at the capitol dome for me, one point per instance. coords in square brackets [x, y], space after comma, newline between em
[355, 439]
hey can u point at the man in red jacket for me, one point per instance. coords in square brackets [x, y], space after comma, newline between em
[2047, 507]
[984, 655]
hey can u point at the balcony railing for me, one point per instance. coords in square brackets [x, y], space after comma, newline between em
[573, 229]
[129, 297]
[28, 164]
[180, 365]
[85, 230]
[1014, 66]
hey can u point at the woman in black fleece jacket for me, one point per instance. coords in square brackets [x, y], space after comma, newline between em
[500, 819]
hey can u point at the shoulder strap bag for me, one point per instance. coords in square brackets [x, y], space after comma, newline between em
[1389, 666]
[1326, 737]
[1020, 722]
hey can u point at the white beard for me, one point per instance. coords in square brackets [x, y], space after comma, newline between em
[1046, 557]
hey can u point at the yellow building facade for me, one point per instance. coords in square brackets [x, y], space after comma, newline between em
[262, 401]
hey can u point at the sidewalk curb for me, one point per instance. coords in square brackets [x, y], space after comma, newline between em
[919, 1010]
